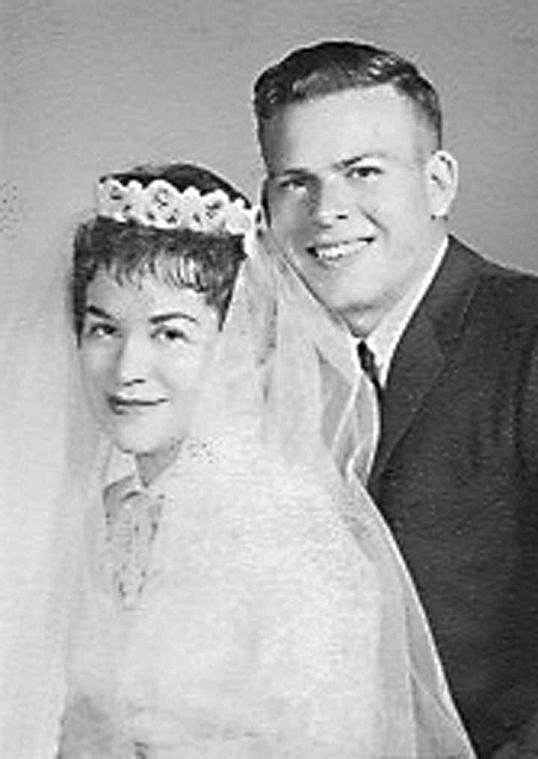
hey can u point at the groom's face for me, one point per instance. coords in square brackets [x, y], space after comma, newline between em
[352, 193]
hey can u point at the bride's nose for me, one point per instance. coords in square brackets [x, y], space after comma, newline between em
[133, 361]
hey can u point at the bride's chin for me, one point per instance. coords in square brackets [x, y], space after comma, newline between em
[132, 437]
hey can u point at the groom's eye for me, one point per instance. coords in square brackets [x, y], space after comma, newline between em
[364, 172]
[292, 183]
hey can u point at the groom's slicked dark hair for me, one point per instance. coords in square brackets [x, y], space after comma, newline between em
[327, 67]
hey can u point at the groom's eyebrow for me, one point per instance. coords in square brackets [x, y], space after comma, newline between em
[160, 318]
[348, 162]
[292, 172]
[340, 165]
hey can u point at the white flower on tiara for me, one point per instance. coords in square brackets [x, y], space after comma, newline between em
[159, 205]
[163, 206]
[192, 210]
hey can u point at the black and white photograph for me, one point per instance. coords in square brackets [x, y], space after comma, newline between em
[269, 379]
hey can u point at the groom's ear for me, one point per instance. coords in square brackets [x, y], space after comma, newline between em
[442, 176]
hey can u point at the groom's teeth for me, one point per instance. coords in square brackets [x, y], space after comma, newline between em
[340, 250]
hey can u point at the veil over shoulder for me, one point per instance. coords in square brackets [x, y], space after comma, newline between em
[46, 444]
[265, 455]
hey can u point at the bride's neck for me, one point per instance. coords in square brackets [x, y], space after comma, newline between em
[151, 465]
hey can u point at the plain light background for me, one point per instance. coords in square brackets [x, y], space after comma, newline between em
[94, 85]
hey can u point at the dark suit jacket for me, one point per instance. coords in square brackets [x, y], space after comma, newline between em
[456, 477]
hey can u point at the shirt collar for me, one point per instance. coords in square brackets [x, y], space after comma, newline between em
[383, 340]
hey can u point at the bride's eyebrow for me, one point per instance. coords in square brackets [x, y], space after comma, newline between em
[92, 310]
[160, 318]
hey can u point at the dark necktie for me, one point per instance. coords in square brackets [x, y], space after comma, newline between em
[365, 430]
[370, 368]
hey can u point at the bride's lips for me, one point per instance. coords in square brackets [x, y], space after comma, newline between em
[332, 252]
[121, 405]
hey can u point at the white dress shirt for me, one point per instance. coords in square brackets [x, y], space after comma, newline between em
[384, 339]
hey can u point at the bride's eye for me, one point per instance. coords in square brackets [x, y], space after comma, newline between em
[100, 330]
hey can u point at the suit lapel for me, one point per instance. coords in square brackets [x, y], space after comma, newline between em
[425, 348]
[412, 374]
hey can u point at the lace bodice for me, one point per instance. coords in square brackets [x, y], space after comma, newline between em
[132, 519]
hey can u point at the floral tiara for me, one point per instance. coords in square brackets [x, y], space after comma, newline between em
[163, 206]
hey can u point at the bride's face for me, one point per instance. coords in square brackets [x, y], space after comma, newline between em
[144, 350]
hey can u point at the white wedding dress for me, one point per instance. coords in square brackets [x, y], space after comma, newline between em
[251, 630]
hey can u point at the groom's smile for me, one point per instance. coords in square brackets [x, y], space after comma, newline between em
[336, 252]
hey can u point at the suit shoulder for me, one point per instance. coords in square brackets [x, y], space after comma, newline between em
[512, 294]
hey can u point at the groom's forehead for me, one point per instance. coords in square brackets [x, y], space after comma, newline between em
[340, 127]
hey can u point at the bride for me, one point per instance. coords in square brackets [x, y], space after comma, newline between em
[213, 579]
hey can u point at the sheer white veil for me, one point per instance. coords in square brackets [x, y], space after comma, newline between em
[277, 345]
[45, 446]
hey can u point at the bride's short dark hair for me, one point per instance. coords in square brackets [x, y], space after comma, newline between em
[205, 262]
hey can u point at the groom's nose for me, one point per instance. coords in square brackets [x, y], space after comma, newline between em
[332, 202]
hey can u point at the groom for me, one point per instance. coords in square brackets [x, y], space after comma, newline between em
[358, 190]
